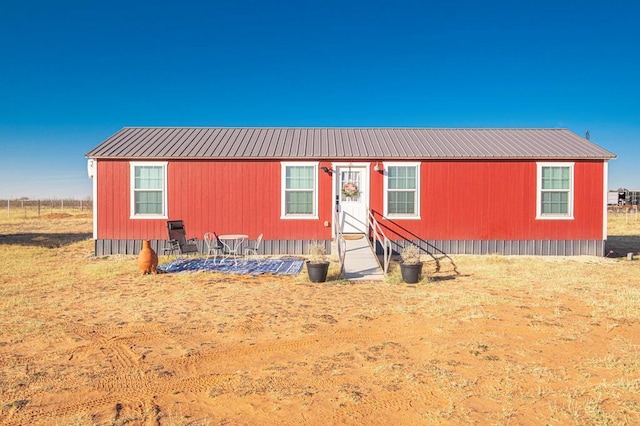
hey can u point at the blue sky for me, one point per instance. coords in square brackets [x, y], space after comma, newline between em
[74, 72]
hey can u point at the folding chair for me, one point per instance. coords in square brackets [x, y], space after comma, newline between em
[253, 250]
[214, 245]
[178, 241]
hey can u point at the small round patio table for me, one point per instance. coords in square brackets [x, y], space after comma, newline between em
[232, 245]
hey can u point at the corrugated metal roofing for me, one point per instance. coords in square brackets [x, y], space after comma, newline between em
[337, 143]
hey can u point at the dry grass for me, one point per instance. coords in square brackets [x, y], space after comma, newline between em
[510, 340]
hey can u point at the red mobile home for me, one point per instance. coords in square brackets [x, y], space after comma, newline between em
[510, 191]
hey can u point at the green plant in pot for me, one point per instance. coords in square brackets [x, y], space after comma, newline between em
[317, 265]
[411, 265]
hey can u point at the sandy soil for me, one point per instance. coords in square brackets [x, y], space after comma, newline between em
[221, 350]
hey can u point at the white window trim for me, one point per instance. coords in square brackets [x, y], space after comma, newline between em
[386, 183]
[132, 198]
[548, 216]
[283, 183]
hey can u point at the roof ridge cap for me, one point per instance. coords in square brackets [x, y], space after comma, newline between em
[345, 127]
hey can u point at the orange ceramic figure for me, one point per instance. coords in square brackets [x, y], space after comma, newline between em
[147, 259]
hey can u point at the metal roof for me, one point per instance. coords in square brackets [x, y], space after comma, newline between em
[347, 143]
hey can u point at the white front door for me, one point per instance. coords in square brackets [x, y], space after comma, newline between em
[352, 191]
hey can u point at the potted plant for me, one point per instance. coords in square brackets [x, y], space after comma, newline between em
[410, 266]
[317, 265]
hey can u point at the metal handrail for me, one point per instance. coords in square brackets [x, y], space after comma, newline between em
[379, 235]
[341, 244]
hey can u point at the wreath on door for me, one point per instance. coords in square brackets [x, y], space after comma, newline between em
[350, 190]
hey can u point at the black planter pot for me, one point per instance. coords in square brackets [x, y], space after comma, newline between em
[411, 273]
[317, 271]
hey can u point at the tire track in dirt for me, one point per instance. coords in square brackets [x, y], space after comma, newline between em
[108, 341]
[138, 391]
[104, 335]
[114, 347]
[131, 384]
[368, 406]
[111, 341]
[333, 337]
[129, 379]
[123, 357]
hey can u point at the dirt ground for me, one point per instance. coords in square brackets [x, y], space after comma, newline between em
[91, 341]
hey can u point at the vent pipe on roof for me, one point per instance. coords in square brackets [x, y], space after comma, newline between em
[587, 136]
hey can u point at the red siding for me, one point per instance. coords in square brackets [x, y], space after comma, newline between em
[484, 200]
[221, 196]
[460, 200]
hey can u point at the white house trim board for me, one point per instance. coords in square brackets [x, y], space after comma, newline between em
[605, 210]
[94, 191]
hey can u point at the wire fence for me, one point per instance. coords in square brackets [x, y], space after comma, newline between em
[36, 208]
[629, 211]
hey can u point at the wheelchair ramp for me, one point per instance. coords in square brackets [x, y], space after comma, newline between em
[360, 263]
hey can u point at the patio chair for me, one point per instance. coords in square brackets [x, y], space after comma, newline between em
[178, 242]
[214, 245]
[253, 250]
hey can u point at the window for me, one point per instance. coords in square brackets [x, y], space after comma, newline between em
[149, 190]
[402, 191]
[299, 190]
[555, 191]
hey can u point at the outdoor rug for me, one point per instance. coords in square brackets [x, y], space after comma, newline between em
[280, 266]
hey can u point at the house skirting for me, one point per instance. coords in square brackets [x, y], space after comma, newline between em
[267, 247]
[509, 247]
[300, 247]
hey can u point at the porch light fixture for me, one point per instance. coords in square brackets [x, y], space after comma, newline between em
[378, 167]
[327, 170]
